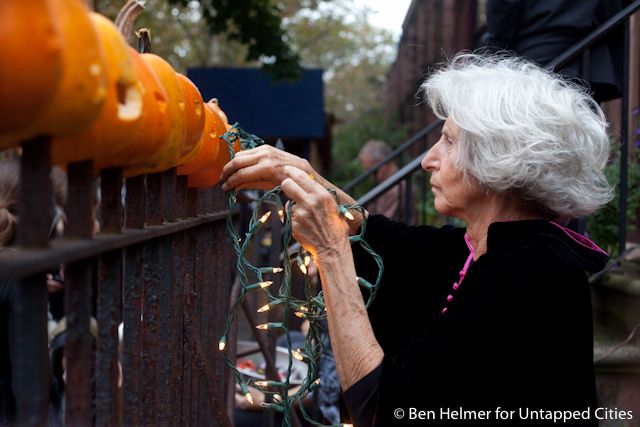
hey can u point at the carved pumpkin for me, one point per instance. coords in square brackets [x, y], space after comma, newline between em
[167, 157]
[195, 117]
[208, 148]
[220, 154]
[152, 136]
[31, 61]
[81, 92]
[114, 128]
[216, 107]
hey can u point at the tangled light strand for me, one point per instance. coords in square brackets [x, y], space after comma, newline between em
[312, 309]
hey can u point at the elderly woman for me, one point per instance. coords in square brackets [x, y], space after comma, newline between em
[484, 325]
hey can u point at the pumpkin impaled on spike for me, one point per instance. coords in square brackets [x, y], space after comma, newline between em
[152, 136]
[80, 95]
[112, 131]
[31, 64]
[195, 118]
[169, 156]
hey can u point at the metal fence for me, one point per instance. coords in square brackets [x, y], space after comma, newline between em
[160, 265]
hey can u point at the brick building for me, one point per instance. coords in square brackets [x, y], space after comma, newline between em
[432, 30]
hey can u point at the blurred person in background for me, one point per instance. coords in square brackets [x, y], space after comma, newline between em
[394, 202]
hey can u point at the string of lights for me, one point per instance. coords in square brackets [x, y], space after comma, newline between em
[261, 278]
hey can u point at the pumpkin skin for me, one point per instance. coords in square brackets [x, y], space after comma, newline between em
[112, 131]
[31, 61]
[211, 175]
[153, 133]
[213, 102]
[208, 148]
[195, 118]
[81, 92]
[169, 155]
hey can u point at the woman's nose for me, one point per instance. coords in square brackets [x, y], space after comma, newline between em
[429, 161]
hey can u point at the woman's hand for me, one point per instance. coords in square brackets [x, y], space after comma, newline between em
[316, 220]
[260, 168]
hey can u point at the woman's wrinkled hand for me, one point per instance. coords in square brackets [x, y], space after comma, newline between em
[316, 220]
[261, 168]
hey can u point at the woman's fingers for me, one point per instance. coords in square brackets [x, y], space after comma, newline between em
[242, 159]
[250, 174]
[303, 180]
[293, 190]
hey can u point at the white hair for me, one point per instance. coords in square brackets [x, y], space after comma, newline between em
[525, 130]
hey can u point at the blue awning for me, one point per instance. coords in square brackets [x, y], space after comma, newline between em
[263, 107]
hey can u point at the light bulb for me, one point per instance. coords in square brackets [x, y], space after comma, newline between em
[303, 268]
[266, 284]
[262, 326]
[281, 215]
[264, 308]
[344, 211]
[265, 217]
[301, 315]
[249, 397]
[222, 344]
[261, 383]
[277, 269]
[307, 260]
[296, 354]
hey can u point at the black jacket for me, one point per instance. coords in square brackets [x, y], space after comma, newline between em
[516, 334]
[543, 29]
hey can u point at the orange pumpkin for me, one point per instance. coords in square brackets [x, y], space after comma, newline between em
[80, 94]
[152, 135]
[213, 168]
[213, 102]
[31, 61]
[208, 148]
[112, 131]
[195, 117]
[169, 155]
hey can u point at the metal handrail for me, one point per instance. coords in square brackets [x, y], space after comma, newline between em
[570, 54]
[555, 64]
[393, 155]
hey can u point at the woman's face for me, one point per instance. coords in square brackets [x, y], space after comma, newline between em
[454, 196]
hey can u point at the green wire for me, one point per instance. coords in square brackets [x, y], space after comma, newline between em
[315, 307]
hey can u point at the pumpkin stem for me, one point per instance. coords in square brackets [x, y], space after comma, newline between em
[144, 40]
[127, 16]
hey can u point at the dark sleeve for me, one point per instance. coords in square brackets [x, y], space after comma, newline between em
[502, 22]
[362, 398]
[409, 294]
[400, 245]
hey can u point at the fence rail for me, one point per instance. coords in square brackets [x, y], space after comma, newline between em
[160, 266]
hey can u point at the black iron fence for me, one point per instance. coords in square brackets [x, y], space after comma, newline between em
[160, 266]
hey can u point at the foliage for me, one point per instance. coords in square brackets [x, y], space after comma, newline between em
[188, 32]
[257, 25]
[355, 56]
[603, 225]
